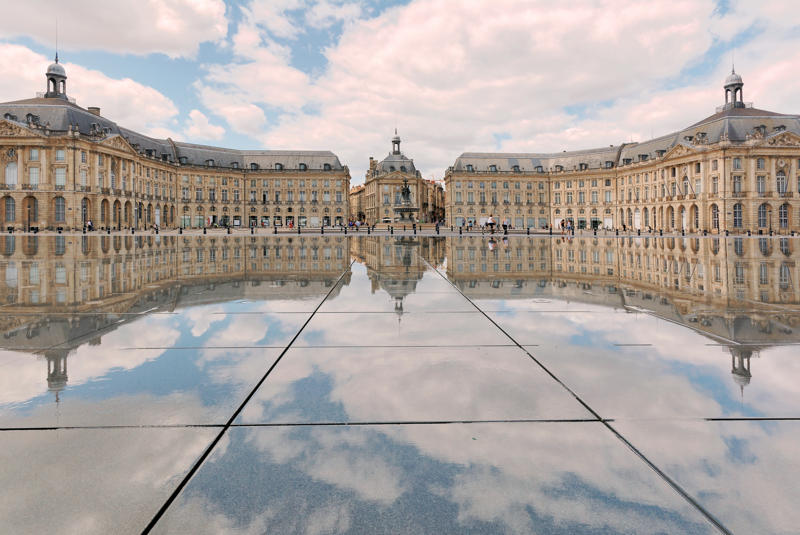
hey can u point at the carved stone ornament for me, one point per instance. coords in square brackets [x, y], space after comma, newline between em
[786, 139]
[781, 163]
[8, 129]
[117, 142]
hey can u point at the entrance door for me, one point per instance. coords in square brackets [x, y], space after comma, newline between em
[637, 219]
[158, 217]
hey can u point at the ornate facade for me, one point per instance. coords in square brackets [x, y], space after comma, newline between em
[737, 170]
[64, 166]
[383, 186]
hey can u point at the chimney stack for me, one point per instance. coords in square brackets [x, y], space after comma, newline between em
[94, 110]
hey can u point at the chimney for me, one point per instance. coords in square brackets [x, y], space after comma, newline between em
[94, 110]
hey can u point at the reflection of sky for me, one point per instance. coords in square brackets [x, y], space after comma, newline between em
[429, 479]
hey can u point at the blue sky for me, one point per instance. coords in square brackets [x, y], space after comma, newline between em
[452, 76]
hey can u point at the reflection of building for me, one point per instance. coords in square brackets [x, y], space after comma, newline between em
[383, 189]
[396, 265]
[735, 170]
[64, 165]
[62, 292]
[724, 288]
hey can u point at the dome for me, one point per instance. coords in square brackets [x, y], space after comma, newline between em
[56, 68]
[397, 162]
[733, 79]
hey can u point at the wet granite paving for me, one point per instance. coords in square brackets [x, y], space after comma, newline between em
[399, 384]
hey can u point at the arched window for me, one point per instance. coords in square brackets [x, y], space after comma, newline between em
[11, 210]
[737, 215]
[59, 206]
[646, 214]
[11, 174]
[303, 167]
[762, 215]
[780, 180]
[671, 214]
[783, 215]
[784, 276]
[279, 167]
[714, 217]
[696, 217]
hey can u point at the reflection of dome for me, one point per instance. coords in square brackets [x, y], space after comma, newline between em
[741, 379]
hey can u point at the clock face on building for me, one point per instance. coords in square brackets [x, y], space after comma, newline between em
[781, 163]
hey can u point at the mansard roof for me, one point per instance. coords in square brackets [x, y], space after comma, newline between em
[59, 116]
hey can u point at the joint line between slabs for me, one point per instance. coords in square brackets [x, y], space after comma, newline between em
[199, 462]
[677, 488]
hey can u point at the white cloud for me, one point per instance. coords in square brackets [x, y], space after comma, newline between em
[126, 102]
[171, 27]
[199, 127]
[451, 75]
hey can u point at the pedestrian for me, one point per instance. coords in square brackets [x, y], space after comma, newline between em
[490, 223]
[505, 225]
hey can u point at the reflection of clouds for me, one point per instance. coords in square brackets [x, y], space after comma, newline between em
[22, 376]
[386, 384]
[92, 480]
[513, 477]
[745, 473]
[678, 375]
[202, 318]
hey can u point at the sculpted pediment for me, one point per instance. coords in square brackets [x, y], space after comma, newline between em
[678, 150]
[117, 142]
[789, 139]
[10, 129]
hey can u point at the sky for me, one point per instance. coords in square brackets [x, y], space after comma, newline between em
[451, 75]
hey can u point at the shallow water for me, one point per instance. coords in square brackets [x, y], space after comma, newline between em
[399, 384]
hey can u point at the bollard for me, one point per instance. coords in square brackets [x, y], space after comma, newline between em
[229, 230]
[748, 232]
[322, 230]
[205, 231]
[12, 231]
[460, 229]
[391, 230]
[528, 231]
[133, 230]
[404, 228]
[551, 231]
[275, 229]
[252, 230]
[770, 232]
[617, 230]
[595, 231]
[108, 230]
[84, 229]
[705, 232]
[156, 231]
[180, 230]
[298, 229]
[451, 228]
[437, 229]
[661, 232]
[638, 232]
[683, 232]
[726, 232]
[368, 231]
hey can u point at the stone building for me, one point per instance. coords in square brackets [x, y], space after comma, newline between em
[737, 170]
[64, 166]
[357, 203]
[383, 187]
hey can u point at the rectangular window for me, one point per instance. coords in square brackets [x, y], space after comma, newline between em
[33, 176]
[608, 196]
[737, 183]
[761, 184]
[713, 165]
[61, 176]
[34, 155]
[61, 155]
[737, 163]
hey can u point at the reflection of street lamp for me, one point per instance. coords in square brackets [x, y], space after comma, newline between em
[29, 216]
[769, 218]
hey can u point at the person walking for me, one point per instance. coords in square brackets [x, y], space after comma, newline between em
[490, 223]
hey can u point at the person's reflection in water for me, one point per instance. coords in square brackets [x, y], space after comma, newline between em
[492, 244]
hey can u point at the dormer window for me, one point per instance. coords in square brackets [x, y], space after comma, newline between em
[183, 160]
[626, 161]
[470, 168]
[391, 168]
[235, 165]
[660, 152]
[539, 169]
[643, 157]
[303, 167]
[515, 168]
[583, 166]
[559, 168]
[326, 167]
[493, 168]
[209, 163]
[403, 168]
[279, 167]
